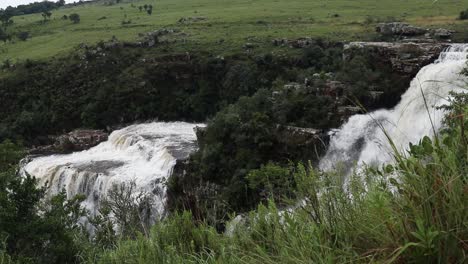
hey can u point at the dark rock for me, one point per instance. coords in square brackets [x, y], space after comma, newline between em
[77, 140]
[80, 139]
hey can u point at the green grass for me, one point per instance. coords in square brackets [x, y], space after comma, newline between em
[234, 21]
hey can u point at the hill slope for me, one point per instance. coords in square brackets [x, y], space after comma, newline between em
[223, 26]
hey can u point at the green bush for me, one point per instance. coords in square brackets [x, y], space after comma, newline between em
[463, 15]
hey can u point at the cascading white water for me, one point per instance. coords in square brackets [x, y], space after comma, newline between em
[144, 154]
[361, 139]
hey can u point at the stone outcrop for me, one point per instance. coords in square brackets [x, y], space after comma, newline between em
[309, 142]
[77, 140]
[399, 28]
[405, 58]
[407, 32]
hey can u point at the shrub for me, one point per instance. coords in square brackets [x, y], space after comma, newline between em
[23, 35]
[75, 18]
[463, 15]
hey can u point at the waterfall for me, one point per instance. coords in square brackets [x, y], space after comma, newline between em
[143, 154]
[361, 139]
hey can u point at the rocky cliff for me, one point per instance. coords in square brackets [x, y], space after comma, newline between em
[405, 58]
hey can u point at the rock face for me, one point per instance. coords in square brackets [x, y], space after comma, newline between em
[407, 32]
[405, 58]
[77, 140]
[308, 141]
[80, 139]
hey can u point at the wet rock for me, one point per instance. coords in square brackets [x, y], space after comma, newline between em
[77, 140]
[346, 111]
[80, 139]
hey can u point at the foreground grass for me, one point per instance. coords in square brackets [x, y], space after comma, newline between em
[413, 211]
[228, 26]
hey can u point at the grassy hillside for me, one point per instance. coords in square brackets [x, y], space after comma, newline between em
[229, 24]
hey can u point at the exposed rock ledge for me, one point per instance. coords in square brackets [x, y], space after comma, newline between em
[308, 143]
[76, 140]
[405, 58]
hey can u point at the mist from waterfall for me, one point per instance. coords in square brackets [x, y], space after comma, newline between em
[361, 140]
[143, 154]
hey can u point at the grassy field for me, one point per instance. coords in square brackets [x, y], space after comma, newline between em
[229, 24]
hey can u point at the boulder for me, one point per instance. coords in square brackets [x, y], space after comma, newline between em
[80, 139]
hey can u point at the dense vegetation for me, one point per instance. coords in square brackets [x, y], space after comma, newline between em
[135, 84]
[225, 71]
[36, 7]
[114, 83]
[410, 211]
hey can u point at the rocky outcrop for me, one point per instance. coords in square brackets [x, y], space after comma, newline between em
[308, 143]
[401, 29]
[407, 32]
[405, 58]
[77, 140]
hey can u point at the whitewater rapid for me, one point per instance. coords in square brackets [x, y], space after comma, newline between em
[144, 154]
[361, 140]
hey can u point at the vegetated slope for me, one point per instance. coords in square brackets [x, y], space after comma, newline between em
[222, 27]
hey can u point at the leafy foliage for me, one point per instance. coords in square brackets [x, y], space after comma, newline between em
[75, 18]
[463, 15]
[33, 230]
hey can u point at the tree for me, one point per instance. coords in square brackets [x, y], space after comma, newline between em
[61, 3]
[145, 7]
[463, 15]
[75, 18]
[46, 15]
[4, 36]
[23, 35]
[140, 8]
[132, 213]
[149, 11]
